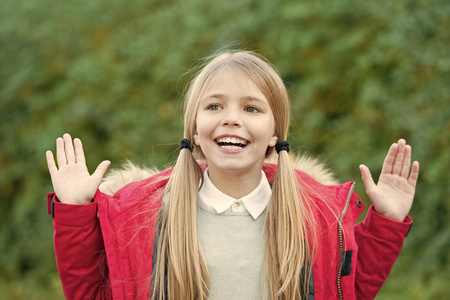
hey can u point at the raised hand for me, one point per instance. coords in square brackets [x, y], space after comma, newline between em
[71, 179]
[393, 195]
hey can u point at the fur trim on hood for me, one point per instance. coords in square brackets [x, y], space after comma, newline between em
[117, 178]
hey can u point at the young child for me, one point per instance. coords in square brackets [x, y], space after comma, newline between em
[224, 223]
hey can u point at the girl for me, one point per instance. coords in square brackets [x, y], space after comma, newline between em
[224, 223]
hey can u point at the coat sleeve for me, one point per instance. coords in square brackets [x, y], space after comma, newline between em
[379, 242]
[79, 250]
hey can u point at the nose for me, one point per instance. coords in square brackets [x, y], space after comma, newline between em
[232, 118]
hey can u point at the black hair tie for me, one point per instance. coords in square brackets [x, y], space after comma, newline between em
[185, 143]
[280, 146]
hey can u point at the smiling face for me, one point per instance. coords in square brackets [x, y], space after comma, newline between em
[234, 125]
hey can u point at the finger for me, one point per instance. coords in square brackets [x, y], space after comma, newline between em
[406, 162]
[101, 169]
[51, 163]
[389, 160]
[367, 179]
[414, 174]
[68, 145]
[79, 153]
[60, 152]
[398, 163]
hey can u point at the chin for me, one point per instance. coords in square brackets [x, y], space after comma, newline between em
[236, 169]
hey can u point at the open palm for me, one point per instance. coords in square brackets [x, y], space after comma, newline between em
[393, 195]
[71, 179]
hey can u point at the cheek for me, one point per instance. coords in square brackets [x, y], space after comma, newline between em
[272, 138]
[203, 130]
[269, 128]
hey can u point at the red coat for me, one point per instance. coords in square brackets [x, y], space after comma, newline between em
[104, 249]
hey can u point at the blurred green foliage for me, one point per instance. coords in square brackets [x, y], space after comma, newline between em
[361, 74]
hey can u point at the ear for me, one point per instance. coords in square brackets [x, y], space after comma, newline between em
[196, 140]
[273, 140]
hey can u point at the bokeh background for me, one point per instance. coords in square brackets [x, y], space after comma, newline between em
[361, 74]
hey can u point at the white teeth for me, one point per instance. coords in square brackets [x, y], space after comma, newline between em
[232, 140]
[231, 147]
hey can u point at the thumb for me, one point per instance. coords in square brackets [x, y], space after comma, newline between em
[101, 169]
[367, 179]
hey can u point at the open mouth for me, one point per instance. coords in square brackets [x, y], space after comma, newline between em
[231, 143]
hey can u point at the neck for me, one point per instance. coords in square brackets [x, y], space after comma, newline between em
[235, 185]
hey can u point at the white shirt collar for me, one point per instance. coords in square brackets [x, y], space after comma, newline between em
[255, 202]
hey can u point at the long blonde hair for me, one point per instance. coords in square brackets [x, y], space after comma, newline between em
[181, 271]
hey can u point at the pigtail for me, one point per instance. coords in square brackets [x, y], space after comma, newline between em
[181, 271]
[289, 248]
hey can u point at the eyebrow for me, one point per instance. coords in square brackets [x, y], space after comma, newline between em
[248, 98]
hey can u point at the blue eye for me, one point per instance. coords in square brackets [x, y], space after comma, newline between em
[251, 109]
